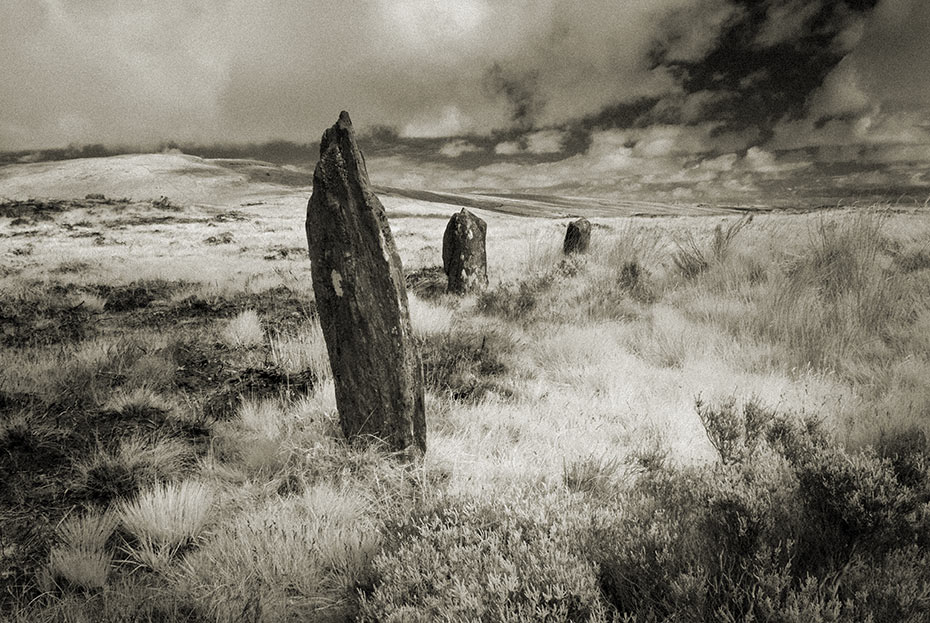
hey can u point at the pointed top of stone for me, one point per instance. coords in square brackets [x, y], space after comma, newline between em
[338, 145]
[342, 129]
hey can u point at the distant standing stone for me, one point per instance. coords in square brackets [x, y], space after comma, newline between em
[360, 296]
[577, 237]
[464, 257]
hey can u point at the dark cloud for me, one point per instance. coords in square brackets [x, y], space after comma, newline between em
[521, 92]
[686, 99]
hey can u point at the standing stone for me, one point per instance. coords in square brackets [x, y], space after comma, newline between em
[360, 296]
[464, 257]
[577, 237]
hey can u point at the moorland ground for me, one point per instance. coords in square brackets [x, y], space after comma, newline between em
[706, 417]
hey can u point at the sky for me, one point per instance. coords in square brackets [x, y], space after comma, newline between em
[719, 101]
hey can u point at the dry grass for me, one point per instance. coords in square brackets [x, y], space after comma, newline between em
[163, 519]
[304, 351]
[244, 331]
[293, 559]
[82, 557]
[559, 388]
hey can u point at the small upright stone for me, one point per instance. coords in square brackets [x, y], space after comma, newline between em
[358, 282]
[464, 257]
[577, 237]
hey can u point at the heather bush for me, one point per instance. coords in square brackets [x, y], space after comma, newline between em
[466, 363]
[472, 561]
[514, 301]
[788, 526]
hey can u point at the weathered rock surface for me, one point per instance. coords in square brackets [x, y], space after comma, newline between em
[360, 296]
[577, 237]
[464, 257]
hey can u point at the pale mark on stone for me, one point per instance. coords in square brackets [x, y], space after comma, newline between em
[337, 282]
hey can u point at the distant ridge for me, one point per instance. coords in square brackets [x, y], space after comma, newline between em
[557, 206]
[180, 177]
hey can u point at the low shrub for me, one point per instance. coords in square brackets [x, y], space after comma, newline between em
[515, 301]
[460, 561]
[734, 433]
[786, 527]
[466, 363]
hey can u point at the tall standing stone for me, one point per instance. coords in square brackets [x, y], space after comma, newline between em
[361, 299]
[577, 237]
[464, 257]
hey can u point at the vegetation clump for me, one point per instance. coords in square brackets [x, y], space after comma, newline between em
[515, 301]
[479, 562]
[429, 283]
[786, 525]
[466, 363]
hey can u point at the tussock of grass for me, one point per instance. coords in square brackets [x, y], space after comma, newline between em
[427, 283]
[137, 401]
[244, 330]
[913, 260]
[135, 295]
[262, 416]
[514, 301]
[82, 558]
[304, 350]
[294, 559]
[136, 463]
[84, 569]
[81, 376]
[25, 433]
[694, 257]
[163, 519]
[596, 475]
[428, 318]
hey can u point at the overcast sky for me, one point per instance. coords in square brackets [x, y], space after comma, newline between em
[670, 99]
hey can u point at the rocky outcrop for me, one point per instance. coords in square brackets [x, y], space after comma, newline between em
[362, 303]
[464, 257]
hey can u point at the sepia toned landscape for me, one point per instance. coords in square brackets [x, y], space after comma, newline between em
[605, 312]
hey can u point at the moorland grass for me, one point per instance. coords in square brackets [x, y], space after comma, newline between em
[572, 471]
